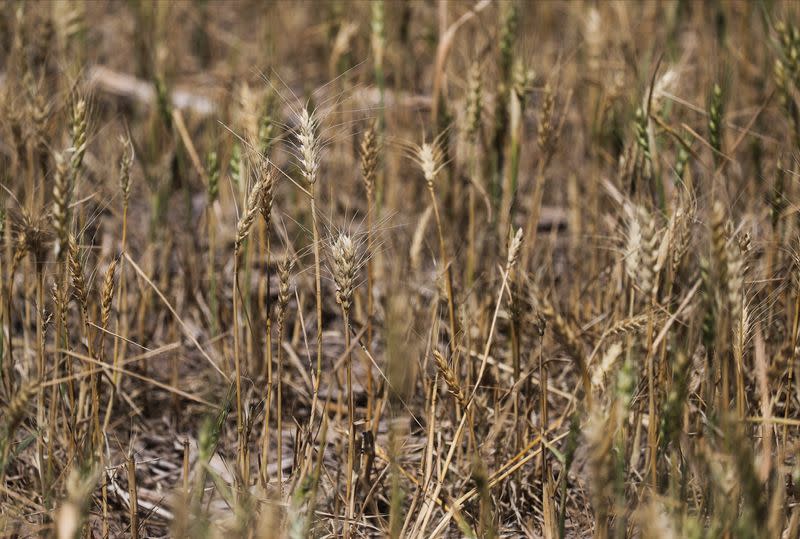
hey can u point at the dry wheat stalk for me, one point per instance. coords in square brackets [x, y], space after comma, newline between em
[546, 133]
[267, 174]
[79, 288]
[125, 162]
[369, 159]
[369, 164]
[681, 235]
[343, 252]
[310, 150]
[284, 269]
[255, 201]
[107, 293]
[62, 197]
[513, 250]
[641, 250]
[77, 129]
[309, 144]
[450, 378]
[429, 158]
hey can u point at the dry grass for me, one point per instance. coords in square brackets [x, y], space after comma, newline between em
[427, 269]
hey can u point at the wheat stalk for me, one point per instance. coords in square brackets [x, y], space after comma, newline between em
[429, 158]
[369, 165]
[284, 269]
[254, 201]
[449, 376]
[343, 253]
[62, 196]
[310, 149]
[125, 164]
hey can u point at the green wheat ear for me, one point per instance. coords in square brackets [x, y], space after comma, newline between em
[715, 118]
[267, 124]
[212, 169]
[211, 428]
[680, 164]
[642, 138]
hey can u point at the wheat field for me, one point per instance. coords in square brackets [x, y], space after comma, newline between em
[395, 268]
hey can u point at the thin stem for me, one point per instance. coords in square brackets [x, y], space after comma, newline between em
[268, 315]
[268, 368]
[40, 416]
[279, 409]
[350, 427]
[652, 442]
[212, 276]
[122, 319]
[56, 373]
[448, 275]
[318, 292]
[133, 496]
[9, 365]
[370, 299]
[237, 362]
[544, 420]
